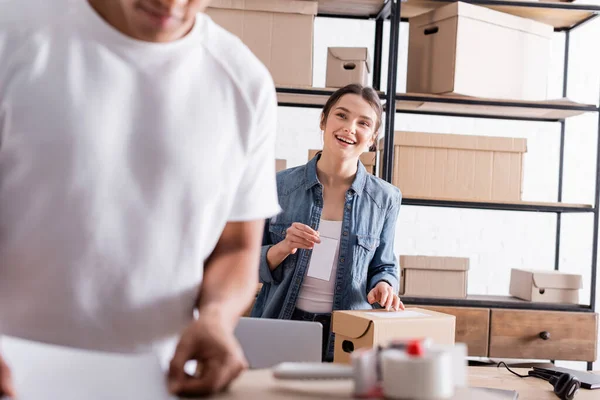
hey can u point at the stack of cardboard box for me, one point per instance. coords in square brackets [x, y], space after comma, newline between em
[426, 276]
[545, 286]
[279, 33]
[470, 50]
[462, 167]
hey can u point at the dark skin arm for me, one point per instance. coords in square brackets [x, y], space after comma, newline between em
[6, 385]
[228, 287]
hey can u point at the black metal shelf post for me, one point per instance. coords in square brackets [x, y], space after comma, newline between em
[561, 160]
[390, 113]
[596, 227]
[378, 54]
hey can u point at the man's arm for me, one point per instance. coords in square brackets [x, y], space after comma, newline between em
[231, 272]
[6, 383]
[229, 284]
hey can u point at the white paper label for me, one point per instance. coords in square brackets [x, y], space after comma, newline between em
[322, 259]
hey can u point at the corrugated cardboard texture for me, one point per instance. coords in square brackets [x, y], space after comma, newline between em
[545, 286]
[360, 329]
[280, 165]
[369, 159]
[458, 166]
[434, 263]
[474, 51]
[484, 14]
[434, 276]
[346, 65]
[281, 38]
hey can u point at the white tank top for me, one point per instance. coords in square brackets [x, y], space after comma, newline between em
[316, 295]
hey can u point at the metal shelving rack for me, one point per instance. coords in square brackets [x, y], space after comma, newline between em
[565, 17]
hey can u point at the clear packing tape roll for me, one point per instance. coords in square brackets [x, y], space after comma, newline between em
[432, 372]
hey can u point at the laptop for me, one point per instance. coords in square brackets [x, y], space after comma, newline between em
[588, 380]
[267, 342]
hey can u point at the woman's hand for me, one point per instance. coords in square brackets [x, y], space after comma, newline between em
[297, 236]
[300, 236]
[384, 294]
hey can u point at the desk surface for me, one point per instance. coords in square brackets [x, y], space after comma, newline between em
[260, 384]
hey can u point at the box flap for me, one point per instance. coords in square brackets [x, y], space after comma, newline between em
[351, 324]
[556, 280]
[434, 263]
[464, 142]
[486, 15]
[291, 6]
[356, 54]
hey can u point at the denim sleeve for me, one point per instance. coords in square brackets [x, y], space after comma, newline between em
[265, 275]
[384, 265]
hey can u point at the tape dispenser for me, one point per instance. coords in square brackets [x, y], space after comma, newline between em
[405, 369]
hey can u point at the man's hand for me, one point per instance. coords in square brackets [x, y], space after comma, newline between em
[210, 341]
[6, 384]
[384, 294]
[229, 284]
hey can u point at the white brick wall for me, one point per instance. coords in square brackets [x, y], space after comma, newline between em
[494, 241]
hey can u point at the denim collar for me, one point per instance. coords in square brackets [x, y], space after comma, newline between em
[311, 178]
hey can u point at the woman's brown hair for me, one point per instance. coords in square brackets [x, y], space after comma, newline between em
[368, 94]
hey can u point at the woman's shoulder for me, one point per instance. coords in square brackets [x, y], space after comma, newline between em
[383, 193]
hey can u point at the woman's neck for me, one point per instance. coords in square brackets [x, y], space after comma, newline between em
[334, 172]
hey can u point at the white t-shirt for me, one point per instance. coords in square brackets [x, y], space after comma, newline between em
[120, 163]
[316, 295]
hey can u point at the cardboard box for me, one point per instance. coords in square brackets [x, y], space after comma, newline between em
[458, 166]
[279, 33]
[368, 328]
[434, 276]
[476, 51]
[346, 65]
[545, 286]
[369, 159]
[280, 165]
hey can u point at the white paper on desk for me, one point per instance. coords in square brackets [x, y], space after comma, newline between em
[42, 371]
[398, 314]
[322, 259]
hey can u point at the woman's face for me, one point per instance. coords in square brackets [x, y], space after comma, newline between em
[349, 129]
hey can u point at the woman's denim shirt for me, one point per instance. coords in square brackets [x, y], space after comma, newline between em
[366, 254]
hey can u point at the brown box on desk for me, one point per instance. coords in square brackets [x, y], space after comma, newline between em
[369, 159]
[346, 65]
[458, 166]
[368, 328]
[545, 286]
[279, 33]
[475, 51]
[434, 276]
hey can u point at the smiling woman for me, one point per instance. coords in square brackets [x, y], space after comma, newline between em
[331, 248]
